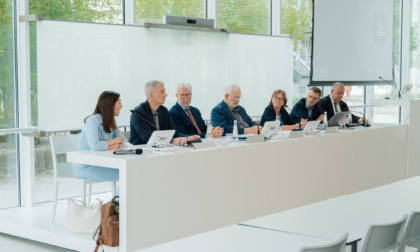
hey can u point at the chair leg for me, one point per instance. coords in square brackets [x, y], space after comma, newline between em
[54, 203]
[83, 194]
[89, 194]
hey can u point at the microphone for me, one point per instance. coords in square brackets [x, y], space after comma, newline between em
[395, 86]
[141, 117]
[291, 111]
[124, 152]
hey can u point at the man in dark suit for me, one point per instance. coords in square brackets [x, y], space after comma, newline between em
[151, 115]
[187, 119]
[333, 103]
[229, 110]
[306, 107]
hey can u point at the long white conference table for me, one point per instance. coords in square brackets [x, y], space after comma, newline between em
[166, 196]
[238, 238]
[352, 213]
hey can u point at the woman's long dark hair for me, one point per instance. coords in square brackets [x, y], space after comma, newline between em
[105, 107]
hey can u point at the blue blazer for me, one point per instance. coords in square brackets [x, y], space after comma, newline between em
[300, 110]
[141, 129]
[270, 115]
[182, 122]
[222, 117]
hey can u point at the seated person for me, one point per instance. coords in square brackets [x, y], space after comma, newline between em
[229, 110]
[100, 133]
[151, 115]
[276, 107]
[333, 103]
[306, 108]
[187, 119]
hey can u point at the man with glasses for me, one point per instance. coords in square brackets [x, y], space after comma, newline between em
[333, 103]
[187, 119]
[306, 108]
[229, 110]
[151, 116]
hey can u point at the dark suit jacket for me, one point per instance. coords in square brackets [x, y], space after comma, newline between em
[270, 115]
[182, 122]
[141, 129]
[222, 117]
[325, 105]
[300, 110]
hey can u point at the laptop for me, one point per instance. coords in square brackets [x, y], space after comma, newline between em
[338, 118]
[310, 127]
[161, 137]
[270, 128]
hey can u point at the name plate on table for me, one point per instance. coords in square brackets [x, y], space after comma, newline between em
[204, 145]
[296, 134]
[331, 130]
[255, 139]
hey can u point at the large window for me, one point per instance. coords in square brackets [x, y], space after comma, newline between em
[8, 164]
[415, 48]
[153, 10]
[245, 16]
[103, 11]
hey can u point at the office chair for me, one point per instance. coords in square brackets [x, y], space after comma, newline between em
[64, 171]
[337, 246]
[411, 234]
[380, 238]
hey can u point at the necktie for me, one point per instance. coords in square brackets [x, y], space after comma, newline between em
[335, 106]
[156, 116]
[310, 113]
[193, 120]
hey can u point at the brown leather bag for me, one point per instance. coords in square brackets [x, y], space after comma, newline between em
[108, 231]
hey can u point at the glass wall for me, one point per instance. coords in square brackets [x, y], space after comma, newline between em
[153, 10]
[8, 164]
[94, 11]
[415, 48]
[246, 16]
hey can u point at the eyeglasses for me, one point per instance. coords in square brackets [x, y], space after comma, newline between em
[236, 97]
[313, 98]
[185, 95]
[278, 99]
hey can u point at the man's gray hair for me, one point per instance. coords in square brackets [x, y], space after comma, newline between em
[184, 85]
[150, 87]
[229, 89]
[336, 85]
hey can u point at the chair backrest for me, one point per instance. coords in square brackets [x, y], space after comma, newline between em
[411, 232]
[337, 246]
[383, 237]
[60, 145]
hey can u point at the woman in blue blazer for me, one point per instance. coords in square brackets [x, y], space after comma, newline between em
[277, 107]
[100, 133]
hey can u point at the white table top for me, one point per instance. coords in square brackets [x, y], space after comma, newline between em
[238, 238]
[352, 213]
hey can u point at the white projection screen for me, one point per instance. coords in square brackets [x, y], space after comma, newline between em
[352, 41]
[77, 61]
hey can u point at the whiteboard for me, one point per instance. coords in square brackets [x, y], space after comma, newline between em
[352, 41]
[77, 61]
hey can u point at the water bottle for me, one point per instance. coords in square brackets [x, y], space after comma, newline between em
[235, 130]
[325, 120]
[209, 129]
